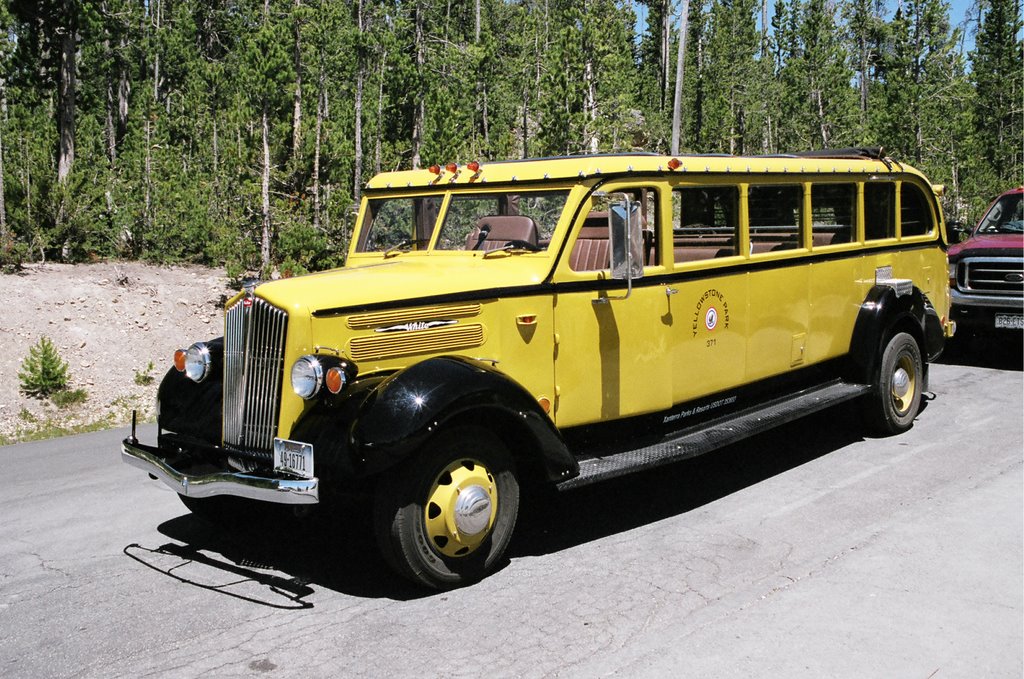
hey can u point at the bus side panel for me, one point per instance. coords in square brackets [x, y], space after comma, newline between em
[779, 314]
[837, 289]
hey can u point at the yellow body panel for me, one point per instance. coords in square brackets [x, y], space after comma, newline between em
[687, 329]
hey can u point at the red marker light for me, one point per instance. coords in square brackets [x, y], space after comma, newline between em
[335, 380]
[674, 164]
[452, 167]
[434, 169]
[179, 360]
[473, 166]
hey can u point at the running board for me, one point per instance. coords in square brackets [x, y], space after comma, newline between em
[716, 433]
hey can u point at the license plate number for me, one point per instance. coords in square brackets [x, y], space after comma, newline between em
[293, 457]
[1010, 321]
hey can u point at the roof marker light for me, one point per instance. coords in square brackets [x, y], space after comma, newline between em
[473, 166]
[434, 169]
[452, 167]
[674, 164]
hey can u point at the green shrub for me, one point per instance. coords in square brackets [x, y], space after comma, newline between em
[68, 397]
[144, 378]
[43, 372]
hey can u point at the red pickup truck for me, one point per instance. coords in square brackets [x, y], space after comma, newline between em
[986, 269]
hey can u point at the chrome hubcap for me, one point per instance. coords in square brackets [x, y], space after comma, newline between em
[472, 510]
[900, 384]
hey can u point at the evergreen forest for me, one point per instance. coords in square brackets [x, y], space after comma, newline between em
[240, 132]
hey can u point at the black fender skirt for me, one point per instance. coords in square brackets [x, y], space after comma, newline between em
[379, 421]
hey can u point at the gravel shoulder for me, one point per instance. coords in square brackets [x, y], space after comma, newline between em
[109, 321]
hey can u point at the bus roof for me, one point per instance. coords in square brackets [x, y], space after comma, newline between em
[838, 161]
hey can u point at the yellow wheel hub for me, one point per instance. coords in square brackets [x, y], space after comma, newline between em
[904, 384]
[460, 508]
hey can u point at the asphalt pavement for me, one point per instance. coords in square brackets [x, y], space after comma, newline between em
[807, 552]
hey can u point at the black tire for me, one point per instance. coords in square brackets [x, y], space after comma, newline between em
[895, 397]
[415, 509]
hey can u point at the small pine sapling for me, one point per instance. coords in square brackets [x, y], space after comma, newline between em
[43, 372]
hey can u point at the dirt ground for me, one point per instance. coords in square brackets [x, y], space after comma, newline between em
[108, 321]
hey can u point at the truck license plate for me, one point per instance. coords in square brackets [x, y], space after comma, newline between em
[1010, 321]
[293, 457]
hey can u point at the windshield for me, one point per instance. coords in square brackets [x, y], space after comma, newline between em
[1005, 216]
[501, 221]
[398, 224]
[506, 220]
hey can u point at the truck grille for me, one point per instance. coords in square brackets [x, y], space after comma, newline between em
[253, 370]
[993, 276]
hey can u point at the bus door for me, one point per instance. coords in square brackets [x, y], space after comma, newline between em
[612, 345]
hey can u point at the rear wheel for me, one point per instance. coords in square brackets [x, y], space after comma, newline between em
[445, 517]
[896, 393]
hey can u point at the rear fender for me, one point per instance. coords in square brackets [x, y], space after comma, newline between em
[883, 313]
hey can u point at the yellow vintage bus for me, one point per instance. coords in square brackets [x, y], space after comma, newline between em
[558, 321]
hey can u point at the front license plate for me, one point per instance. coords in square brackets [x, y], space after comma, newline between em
[1013, 322]
[293, 457]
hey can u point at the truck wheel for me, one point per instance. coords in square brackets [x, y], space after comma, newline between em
[895, 398]
[444, 518]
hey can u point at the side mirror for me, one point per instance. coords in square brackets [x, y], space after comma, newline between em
[958, 230]
[625, 237]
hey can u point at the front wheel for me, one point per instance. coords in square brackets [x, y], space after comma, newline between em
[444, 518]
[895, 396]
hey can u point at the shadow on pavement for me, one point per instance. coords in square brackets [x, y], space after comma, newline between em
[556, 521]
[273, 559]
[999, 351]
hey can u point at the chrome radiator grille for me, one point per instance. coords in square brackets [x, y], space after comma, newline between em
[253, 370]
[996, 275]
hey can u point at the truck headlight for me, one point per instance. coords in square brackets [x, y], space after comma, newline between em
[307, 376]
[198, 362]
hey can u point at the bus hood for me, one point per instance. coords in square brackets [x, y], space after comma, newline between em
[399, 281]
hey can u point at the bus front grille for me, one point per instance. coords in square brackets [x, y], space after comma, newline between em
[254, 335]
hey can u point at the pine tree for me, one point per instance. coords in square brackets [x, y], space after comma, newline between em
[999, 78]
[43, 372]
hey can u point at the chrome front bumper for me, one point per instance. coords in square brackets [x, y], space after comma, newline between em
[281, 491]
[989, 301]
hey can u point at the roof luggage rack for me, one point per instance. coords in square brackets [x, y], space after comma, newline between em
[872, 153]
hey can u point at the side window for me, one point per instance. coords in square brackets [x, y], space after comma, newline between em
[775, 216]
[833, 213]
[879, 210]
[705, 223]
[591, 249]
[915, 217]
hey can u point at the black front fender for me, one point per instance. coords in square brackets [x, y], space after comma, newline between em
[190, 408]
[383, 421]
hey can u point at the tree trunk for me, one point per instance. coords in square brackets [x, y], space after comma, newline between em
[380, 112]
[156, 52]
[123, 90]
[66, 99]
[357, 133]
[147, 205]
[419, 112]
[321, 93]
[265, 190]
[297, 107]
[664, 51]
[677, 98]
[3, 202]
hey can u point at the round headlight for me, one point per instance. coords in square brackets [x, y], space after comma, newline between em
[307, 376]
[197, 362]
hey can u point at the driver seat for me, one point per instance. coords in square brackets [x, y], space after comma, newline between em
[500, 230]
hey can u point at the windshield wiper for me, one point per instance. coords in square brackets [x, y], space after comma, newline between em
[515, 246]
[404, 246]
